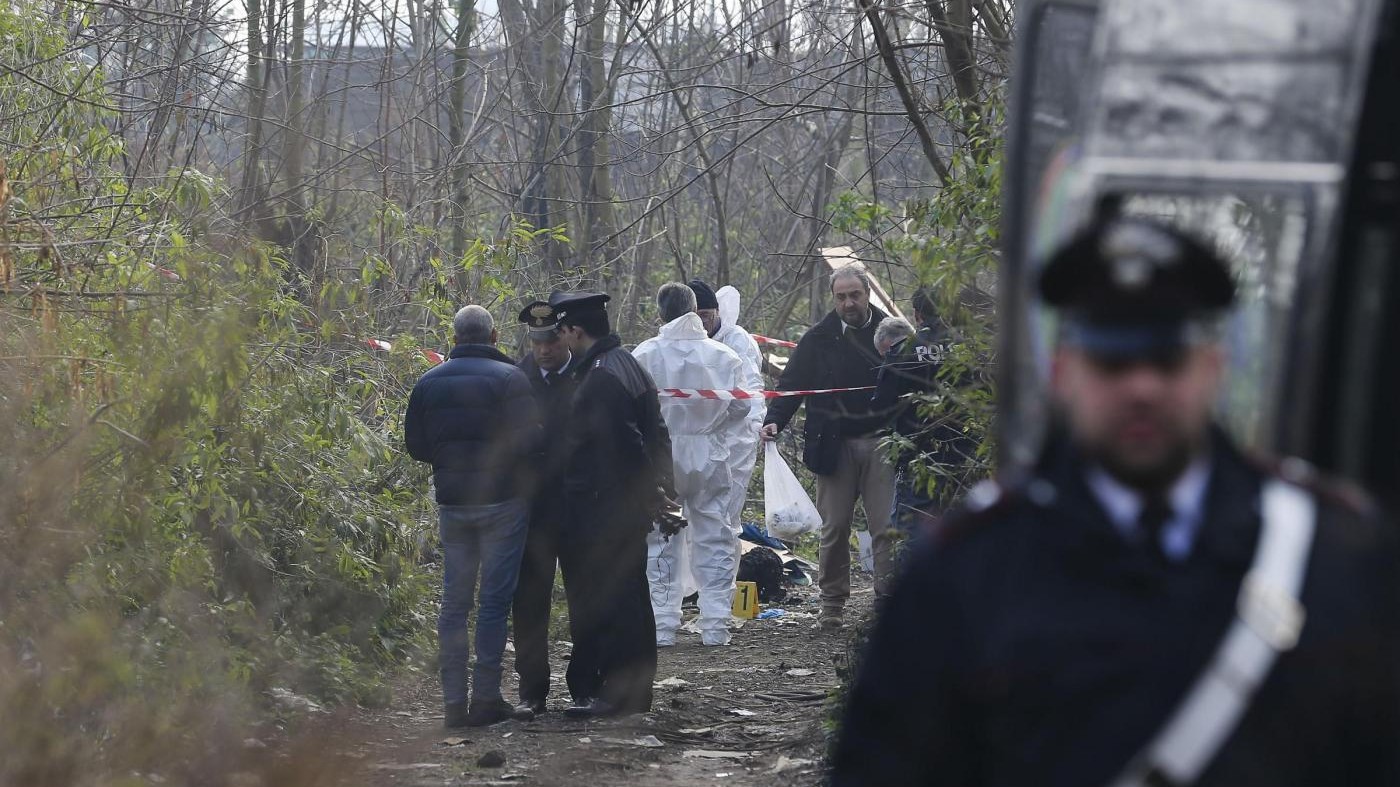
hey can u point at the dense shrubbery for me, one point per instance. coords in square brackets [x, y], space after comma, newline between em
[951, 241]
[202, 497]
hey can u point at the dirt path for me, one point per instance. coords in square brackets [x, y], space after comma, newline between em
[750, 714]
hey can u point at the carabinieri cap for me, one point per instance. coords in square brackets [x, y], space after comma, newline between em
[540, 319]
[572, 304]
[1130, 288]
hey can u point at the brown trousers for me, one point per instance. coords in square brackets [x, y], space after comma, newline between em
[861, 473]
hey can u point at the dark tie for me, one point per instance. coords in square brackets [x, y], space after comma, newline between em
[549, 378]
[1156, 512]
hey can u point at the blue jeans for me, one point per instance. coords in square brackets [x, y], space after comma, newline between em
[486, 540]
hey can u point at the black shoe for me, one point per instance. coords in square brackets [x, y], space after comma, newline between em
[454, 715]
[592, 709]
[494, 711]
[533, 707]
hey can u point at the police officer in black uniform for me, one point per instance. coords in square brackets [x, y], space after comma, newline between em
[617, 456]
[549, 367]
[912, 368]
[1058, 634]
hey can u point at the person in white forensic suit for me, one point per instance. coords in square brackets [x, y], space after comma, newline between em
[720, 313]
[683, 355]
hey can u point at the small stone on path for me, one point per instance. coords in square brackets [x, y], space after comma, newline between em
[492, 759]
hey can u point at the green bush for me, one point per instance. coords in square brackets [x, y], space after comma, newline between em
[203, 498]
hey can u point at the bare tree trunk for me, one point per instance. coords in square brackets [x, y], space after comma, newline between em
[257, 105]
[295, 148]
[706, 161]
[589, 79]
[168, 96]
[538, 34]
[906, 95]
[955, 30]
[456, 125]
[821, 196]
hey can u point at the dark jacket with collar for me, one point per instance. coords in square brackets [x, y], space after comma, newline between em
[616, 445]
[473, 417]
[829, 357]
[1032, 644]
[555, 399]
[914, 366]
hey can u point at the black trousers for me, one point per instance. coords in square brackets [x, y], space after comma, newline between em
[534, 596]
[610, 617]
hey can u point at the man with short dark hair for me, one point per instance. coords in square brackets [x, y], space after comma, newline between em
[617, 457]
[703, 442]
[548, 367]
[840, 443]
[1145, 606]
[474, 420]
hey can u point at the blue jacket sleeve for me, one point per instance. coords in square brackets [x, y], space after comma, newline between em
[415, 436]
[522, 413]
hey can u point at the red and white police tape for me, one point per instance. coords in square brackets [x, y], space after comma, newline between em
[166, 272]
[678, 393]
[739, 393]
[380, 344]
[774, 342]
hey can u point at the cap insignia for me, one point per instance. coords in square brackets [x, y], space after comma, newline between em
[1131, 273]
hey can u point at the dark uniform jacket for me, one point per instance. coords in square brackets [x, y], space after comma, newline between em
[555, 399]
[913, 366]
[1034, 645]
[474, 418]
[828, 357]
[617, 446]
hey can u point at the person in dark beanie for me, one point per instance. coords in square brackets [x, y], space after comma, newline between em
[706, 304]
[474, 419]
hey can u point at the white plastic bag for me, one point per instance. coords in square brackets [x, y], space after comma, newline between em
[787, 510]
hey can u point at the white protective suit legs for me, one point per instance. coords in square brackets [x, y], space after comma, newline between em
[707, 549]
[702, 431]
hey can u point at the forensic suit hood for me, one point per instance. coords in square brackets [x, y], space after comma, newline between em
[744, 450]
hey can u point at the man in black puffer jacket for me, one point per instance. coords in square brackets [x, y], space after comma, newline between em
[475, 419]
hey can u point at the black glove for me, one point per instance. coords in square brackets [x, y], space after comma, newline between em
[670, 520]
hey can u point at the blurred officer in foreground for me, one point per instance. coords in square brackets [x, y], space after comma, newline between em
[617, 457]
[474, 420]
[705, 436]
[1147, 607]
[548, 368]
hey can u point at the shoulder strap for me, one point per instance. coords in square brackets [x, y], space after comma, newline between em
[1268, 620]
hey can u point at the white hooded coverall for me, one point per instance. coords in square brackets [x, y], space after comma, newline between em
[744, 451]
[702, 434]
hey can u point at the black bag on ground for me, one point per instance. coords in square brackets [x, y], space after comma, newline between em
[763, 567]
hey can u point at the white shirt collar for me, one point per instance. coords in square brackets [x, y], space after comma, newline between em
[1123, 505]
[562, 369]
[845, 326]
